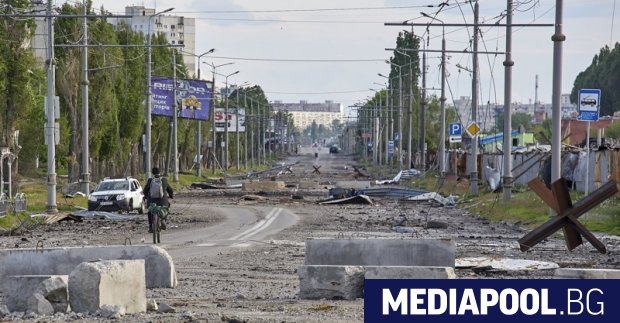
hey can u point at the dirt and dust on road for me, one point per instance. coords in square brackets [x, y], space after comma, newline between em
[237, 258]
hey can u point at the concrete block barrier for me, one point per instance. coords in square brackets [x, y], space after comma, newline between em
[95, 285]
[263, 186]
[160, 271]
[409, 272]
[357, 185]
[331, 282]
[380, 252]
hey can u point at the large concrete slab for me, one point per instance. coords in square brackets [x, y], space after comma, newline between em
[409, 272]
[331, 282]
[94, 285]
[160, 271]
[380, 252]
[263, 186]
[358, 185]
[18, 289]
[587, 273]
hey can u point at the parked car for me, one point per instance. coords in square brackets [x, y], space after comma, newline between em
[334, 150]
[117, 194]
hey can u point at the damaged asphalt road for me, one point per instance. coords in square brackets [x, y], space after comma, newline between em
[237, 259]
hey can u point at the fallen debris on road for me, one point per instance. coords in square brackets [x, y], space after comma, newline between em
[357, 199]
[433, 196]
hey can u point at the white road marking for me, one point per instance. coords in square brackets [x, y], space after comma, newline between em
[261, 225]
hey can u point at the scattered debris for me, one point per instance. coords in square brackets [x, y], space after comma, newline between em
[493, 178]
[74, 194]
[403, 174]
[506, 264]
[434, 196]
[165, 308]
[210, 186]
[431, 224]
[392, 192]
[53, 218]
[360, 172]
[252, 197]
[101, 215]
[357, 199]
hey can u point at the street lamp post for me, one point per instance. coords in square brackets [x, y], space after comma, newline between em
[199, 128]
[213, 132]
[226, 124]
[400, 113]
[387, 121]
[442, 99]
[410, 119]
[379, 146]
[148, 156]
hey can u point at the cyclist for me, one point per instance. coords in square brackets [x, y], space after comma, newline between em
[155, 192]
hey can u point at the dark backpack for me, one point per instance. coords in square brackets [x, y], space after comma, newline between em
[157, 188]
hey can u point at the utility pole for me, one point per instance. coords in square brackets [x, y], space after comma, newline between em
[85, 156]
[252, 143]
[199, 126]
[556, 115]
[245, 135]
[175, 121]
[50, 128]
[423, 111]
[508, 63]
[473, 178]
[237, 131]
[400, 118]
[442, 129]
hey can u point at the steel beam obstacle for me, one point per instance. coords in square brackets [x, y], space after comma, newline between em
[558, 199]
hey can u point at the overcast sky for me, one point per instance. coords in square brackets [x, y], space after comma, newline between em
[244, 32]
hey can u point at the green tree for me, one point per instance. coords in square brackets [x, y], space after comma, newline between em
[21, 83]
[603, 73]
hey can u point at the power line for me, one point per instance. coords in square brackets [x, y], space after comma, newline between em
[310, 93]
[307, 10]
[291, 21]
[300, 60]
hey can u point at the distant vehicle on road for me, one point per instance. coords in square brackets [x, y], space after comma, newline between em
[334, 149]
[117, 194]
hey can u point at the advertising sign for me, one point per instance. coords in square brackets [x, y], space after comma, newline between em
[193, 97]
[221, 119]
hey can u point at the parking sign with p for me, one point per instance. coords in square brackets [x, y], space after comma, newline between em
[456, 132]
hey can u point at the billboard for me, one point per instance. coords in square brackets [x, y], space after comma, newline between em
[220, 120]
[193, 97]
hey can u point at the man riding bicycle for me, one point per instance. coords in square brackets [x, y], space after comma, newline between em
[155, 192]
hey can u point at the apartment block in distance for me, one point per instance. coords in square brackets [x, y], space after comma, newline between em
[305, 113]
[178, 30]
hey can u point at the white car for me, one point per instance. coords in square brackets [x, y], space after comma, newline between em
[117, 194]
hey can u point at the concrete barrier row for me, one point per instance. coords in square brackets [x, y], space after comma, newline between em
[159, 267]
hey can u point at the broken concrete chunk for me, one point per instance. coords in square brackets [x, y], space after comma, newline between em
[54, 289]
[4, 311]
[331, 282]
[165, 308]
[263, 186]
[18, 289]
[112, 282]
[39, 305]
[111, 311]
[151, 305]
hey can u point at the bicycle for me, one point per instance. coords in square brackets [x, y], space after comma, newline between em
[158, 213]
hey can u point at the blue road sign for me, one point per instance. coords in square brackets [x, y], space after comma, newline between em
[589, 104]
[455, 129]
[391, 148]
